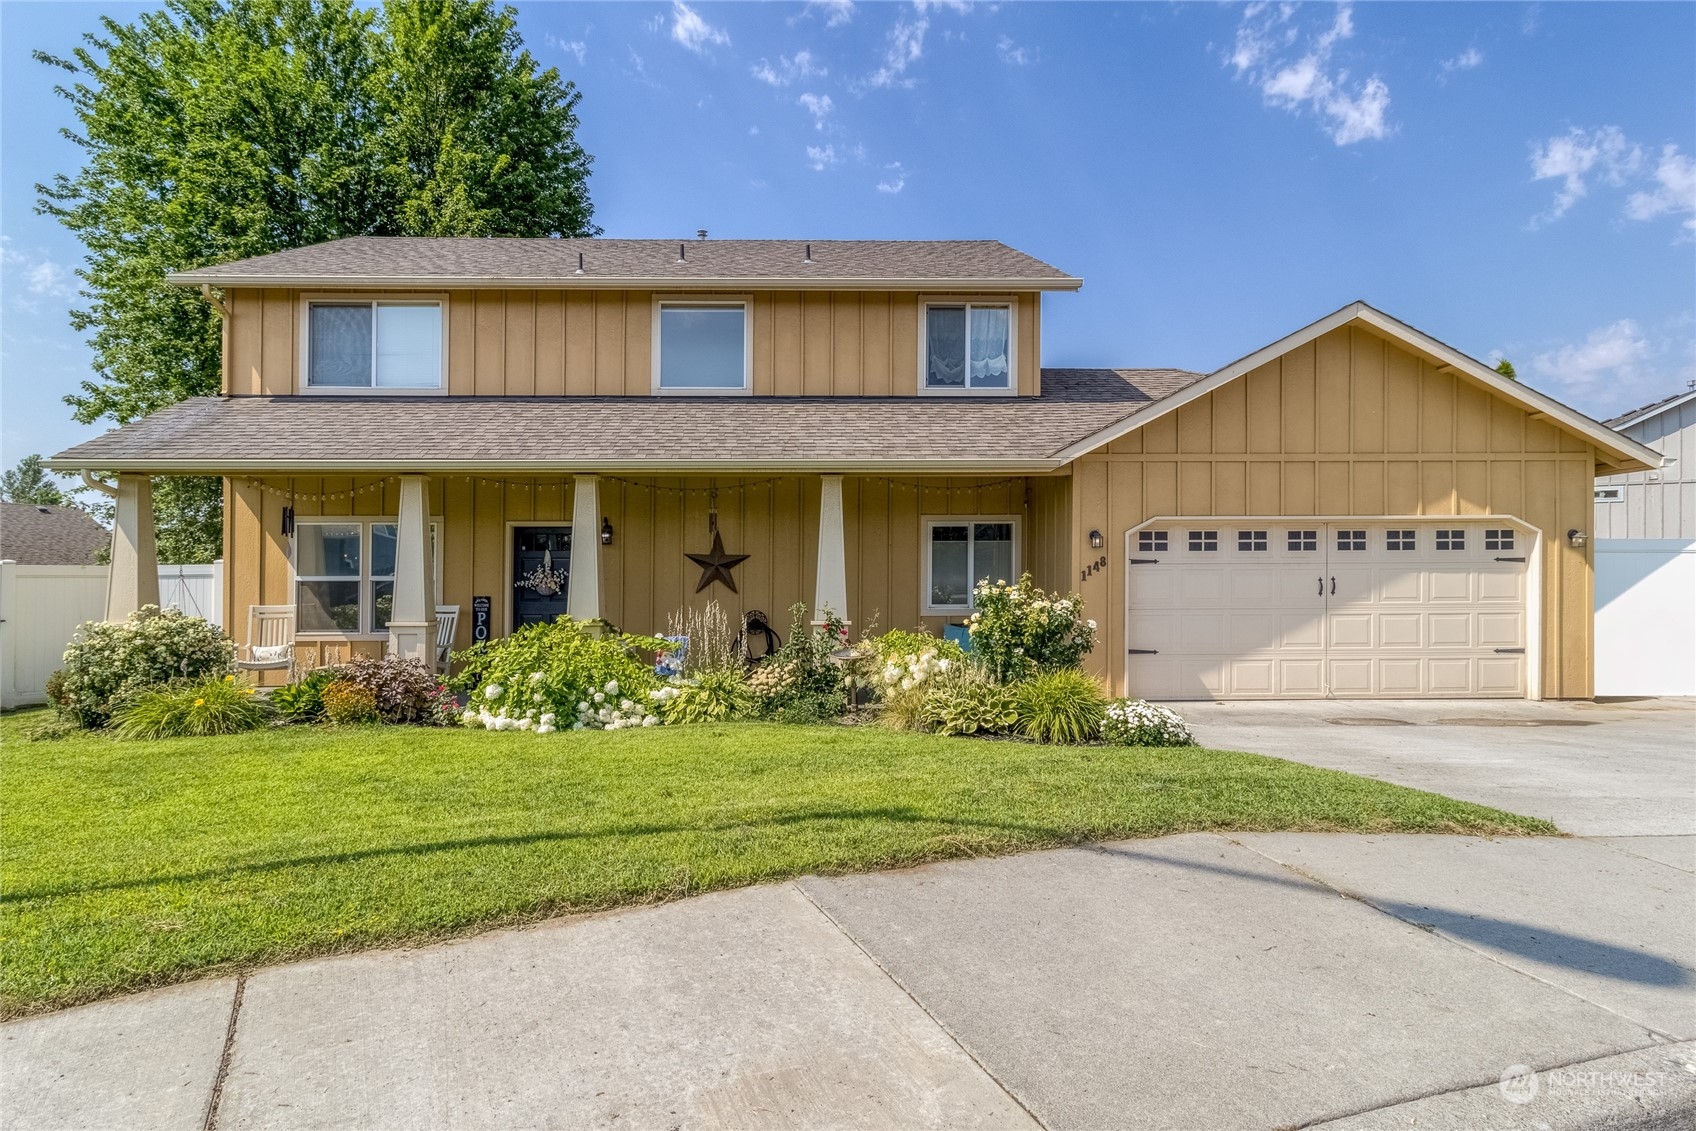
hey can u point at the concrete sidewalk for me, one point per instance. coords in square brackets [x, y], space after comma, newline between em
[1193, 981]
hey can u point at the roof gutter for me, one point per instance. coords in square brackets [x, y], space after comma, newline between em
[617, 282]
[74, 464]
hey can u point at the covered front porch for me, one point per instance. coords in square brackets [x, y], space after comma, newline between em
[362, 562]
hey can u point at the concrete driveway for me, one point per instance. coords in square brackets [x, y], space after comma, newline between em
[1624, 768]
[1202, 981]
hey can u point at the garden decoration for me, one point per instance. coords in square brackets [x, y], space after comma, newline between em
[544, 579]
[756, 624]
[716, 565]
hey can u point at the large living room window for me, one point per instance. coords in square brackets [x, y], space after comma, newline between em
[960, 552]
[345, 574]
[702, 347]
[373, 345]
[968, 348]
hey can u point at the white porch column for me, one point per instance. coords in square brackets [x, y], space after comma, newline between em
[583, 596]
[412, 616]
[830, 590]
[133, 577]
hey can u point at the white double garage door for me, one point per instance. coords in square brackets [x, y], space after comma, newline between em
[1291, 608]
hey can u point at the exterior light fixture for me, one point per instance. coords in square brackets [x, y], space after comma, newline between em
[606, 531]
[288, 521]
[1096, 541]
[1577, 538]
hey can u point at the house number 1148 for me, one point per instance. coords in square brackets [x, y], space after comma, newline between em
[1094, 567]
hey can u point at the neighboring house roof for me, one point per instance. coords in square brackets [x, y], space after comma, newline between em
[44, 535]
[1625, 420]
[934, 434]
[417, 261]
[1628, 454]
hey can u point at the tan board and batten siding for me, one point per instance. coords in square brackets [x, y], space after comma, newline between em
[1348, 425]
[644, 575]
[599, 343]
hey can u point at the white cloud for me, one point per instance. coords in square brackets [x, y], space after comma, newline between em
[1577, 156]
[1012, 53]
[836, 12]
[576, 47]
[788, 69]
[1674, 192]
[1617, 366]
[906, 47]
[895, 181]
[694, 33]
[1264, 53]
[41, 276]
[1465, 61]
[818, 105]
[822, 157]
[960, 6]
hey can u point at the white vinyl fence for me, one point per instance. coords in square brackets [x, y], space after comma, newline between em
[42, 605]
[1645, 616]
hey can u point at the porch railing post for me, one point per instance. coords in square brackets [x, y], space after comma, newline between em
[412, 613]
[830, 590]
[583, 595]
[132, 579]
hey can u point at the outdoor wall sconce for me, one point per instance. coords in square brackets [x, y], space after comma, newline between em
[1577, 538]
[606, 531]
[1096, 541]
[288, 521]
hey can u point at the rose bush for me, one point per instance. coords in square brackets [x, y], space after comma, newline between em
[1018, 630]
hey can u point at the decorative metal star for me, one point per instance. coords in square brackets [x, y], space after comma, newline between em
[717, 565]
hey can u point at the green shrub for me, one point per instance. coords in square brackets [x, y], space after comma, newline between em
[560, 674]
[406, 692]
[800, 682]
[303, 700]
[192, 710]
[901, 643]
[349, 704]
[106, 663]
[905, 664]
[1135, 722]
[968, 700]
[715, 696]
[1064, 706]
[1019, 630]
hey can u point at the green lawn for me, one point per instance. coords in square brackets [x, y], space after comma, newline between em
[129, 864]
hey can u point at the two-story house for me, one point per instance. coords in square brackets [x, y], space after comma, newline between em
[618, 428]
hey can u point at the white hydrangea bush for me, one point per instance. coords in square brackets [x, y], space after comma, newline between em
[904, 673]
[495, 707]
[1137, 722]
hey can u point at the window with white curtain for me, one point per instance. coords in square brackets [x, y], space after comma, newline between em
[969, 348]
[374, 345]
[960, 552]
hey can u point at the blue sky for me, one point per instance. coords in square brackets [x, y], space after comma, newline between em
[1514, 179]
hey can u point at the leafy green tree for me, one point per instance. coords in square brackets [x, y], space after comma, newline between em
[218, 129]
[1505, 368]
[29, 482]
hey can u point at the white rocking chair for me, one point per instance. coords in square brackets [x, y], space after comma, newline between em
[270, 639]
[447, 623]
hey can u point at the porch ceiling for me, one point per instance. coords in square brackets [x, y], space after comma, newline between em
[438, 433]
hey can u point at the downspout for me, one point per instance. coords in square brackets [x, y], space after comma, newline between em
[99, 485]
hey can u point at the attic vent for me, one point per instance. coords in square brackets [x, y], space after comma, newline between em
[809, 256]
[43, 510]
[680, 253]
[700, 233]
[579, 270]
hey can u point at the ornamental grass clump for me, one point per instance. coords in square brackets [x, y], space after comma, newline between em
[192, 709]
[563, 674]
[1064, 707]
[1136, 722]
[1019, 630]
[109, 663]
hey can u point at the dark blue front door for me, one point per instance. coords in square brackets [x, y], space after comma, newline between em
[541, 571]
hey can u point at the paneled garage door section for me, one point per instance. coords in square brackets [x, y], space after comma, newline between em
[1264, 609]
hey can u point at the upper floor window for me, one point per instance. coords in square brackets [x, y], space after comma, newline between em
[702, 347]
[968, 348]
[374, 345]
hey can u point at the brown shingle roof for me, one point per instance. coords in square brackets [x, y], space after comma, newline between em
[255, 434]
[43, 535]
[421, 261]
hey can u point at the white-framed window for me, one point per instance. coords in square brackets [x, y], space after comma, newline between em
[702, 346]
[1152, 542]
[1607, 494]
[962, 550]
[1301, 541]
[1399, 540]
[1204, 541]
[1251, 541]
[1451, 539]
[967, 348]
[344, 570]
[376, 344]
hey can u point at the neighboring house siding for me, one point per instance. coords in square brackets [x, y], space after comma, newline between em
[1663, 506]
[600, 343]
[644, 575]
[1349, 425]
